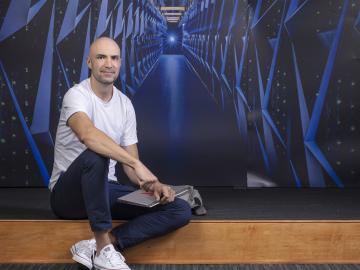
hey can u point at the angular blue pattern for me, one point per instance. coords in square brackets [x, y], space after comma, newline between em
[314, 121]
[315, 176]
[262, 72]
[60, 69]
[285, 70]
[16, 17]
[327, 37]
[84, 73]
[103, 19]
[69, 21]
[35, 151]
[35, 9]
[41, 117]
[119, 20]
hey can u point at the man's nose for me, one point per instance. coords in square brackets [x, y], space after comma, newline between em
[108, 62]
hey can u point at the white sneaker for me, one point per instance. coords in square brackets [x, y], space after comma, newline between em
[83, 251]
[109, 259]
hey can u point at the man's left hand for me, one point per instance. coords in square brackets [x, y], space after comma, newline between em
[163, 193]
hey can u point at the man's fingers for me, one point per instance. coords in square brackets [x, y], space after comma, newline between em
[165, 195]
[157, 195]
[168, 195]
[172, 195]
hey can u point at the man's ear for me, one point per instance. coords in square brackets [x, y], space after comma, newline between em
[88, 62]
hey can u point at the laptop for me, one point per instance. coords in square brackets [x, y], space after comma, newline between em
[147, 199]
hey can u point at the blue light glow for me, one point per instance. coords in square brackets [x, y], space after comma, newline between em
[172, 39]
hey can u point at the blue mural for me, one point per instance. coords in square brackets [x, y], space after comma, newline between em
[291, 69]
[246, 93]
[44, 45]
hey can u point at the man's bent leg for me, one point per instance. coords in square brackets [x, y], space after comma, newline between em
[82, 191]
[145, 223]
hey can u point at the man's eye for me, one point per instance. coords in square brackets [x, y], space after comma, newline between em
[100, 57]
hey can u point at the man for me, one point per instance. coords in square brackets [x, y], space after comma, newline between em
[97, 128]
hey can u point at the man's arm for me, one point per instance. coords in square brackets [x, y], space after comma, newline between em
[162, 192]
[99, 142]
[132, 150]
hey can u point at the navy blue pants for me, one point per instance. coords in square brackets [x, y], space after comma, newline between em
[83, 191]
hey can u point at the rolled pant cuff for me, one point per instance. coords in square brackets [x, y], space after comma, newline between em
[100, 226]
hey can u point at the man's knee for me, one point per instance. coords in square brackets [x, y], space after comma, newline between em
[95, 160]
[182, 212]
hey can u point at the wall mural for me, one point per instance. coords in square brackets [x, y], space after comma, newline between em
[236, 93]
[291, 70]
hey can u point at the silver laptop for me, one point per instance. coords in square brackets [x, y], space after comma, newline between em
[147, 199]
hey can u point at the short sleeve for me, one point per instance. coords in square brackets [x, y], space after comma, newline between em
[129, 136]
[75, 100]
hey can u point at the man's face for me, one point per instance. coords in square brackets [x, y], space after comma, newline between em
[104, 61]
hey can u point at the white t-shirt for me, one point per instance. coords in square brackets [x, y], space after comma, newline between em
[116, 118]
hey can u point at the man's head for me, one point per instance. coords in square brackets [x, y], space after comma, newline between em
[104, 60]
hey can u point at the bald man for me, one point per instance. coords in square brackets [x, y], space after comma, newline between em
[97, 129]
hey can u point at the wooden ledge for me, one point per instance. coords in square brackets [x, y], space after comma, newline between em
[202, 241]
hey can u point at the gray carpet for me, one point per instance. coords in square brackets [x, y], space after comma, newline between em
[221, 202]
[191, 267]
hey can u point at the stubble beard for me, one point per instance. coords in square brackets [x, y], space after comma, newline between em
[100, 80]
